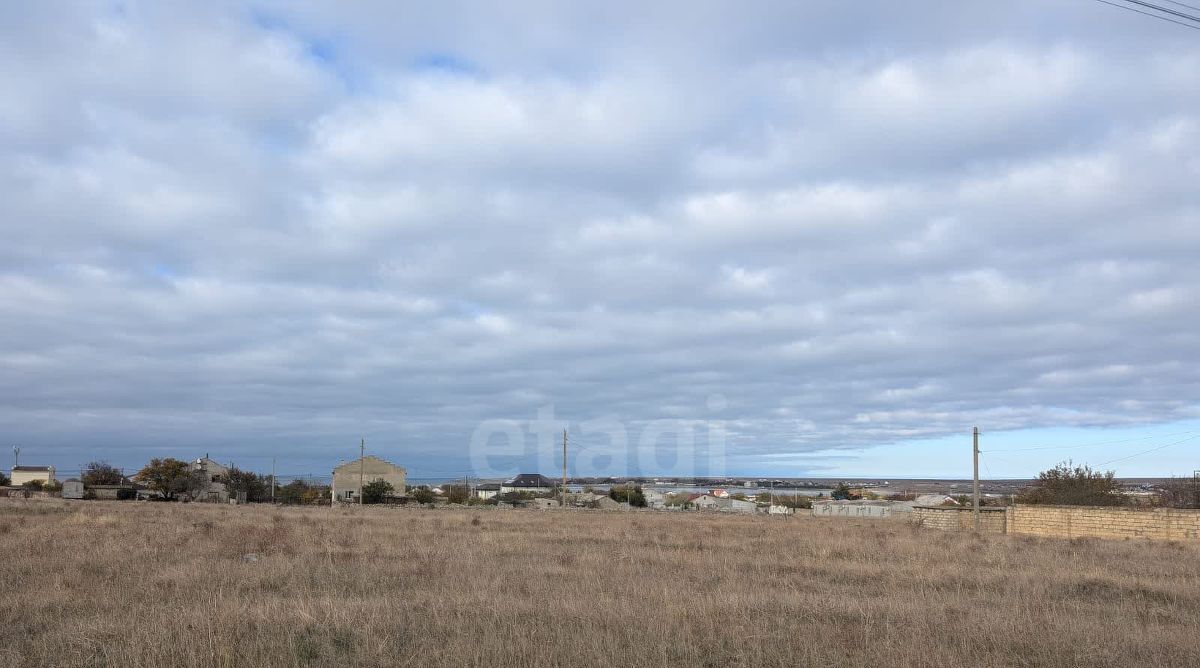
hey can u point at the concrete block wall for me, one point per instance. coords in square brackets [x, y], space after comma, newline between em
[959, 518]
[1100, 522]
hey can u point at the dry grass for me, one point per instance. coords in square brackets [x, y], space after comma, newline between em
[136, 584]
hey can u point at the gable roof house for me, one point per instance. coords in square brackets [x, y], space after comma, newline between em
[346, 487]
[528, 482]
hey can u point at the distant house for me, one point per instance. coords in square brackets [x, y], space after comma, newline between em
[720, 493]
[704, 501]
[655, 499]
[212, 474]
[934, 500]
[534, 483]
[487, 490]
[710, 502]
[349, 477]
[23, 474]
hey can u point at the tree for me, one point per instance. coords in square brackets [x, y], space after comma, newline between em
[630, 494]
[840, 492]
[1069, 485]
[4, 480]
[298, 492]
[376, 490]
[257, 488]
[101, 473]
[35, 485]
[169, 477]
[1180, 493]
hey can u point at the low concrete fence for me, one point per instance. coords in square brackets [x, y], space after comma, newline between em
[1067, 521]
[865, 509]
[959, 518]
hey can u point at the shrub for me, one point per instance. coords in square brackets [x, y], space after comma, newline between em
[1070, 485]
[630, 494]
[376, 490]
[1180, 493]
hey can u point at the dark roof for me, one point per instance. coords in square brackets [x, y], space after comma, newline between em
[32, 468]
[488, 487]
[530, 480]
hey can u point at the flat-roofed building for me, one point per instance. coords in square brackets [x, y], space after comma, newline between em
[23, 474]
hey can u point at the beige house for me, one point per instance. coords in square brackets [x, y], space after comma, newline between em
[24, 474]
[212, 474]
[348, 476]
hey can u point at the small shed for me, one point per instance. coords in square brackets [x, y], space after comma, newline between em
[73, 489]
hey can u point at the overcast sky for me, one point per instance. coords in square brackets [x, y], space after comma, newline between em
[835, 236]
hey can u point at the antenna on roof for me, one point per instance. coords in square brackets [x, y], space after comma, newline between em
[16, 456]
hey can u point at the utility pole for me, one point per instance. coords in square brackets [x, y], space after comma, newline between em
[975, 489]
[563, 501]
[16, 456]
[362, 464]
[272, 480]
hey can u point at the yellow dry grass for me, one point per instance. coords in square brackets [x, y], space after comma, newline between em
[137, 584]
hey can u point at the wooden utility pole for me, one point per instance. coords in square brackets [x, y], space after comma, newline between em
[362, 464]
[272, 480]
[975, 488]
[563, 501]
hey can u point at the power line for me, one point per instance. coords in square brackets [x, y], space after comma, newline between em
[1091, 445]
[1166, 10]
[1151, 14]
[1146, 452]
[1184, 4]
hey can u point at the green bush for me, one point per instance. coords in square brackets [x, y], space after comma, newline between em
[1070, 485]
[376, 491]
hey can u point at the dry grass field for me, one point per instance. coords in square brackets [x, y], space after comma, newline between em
[137, 584]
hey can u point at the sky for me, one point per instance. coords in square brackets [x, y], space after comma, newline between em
[706, 238]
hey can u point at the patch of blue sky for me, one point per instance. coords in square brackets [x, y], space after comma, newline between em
[1169, 449]
[446, 63]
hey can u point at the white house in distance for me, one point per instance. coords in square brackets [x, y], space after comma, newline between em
[346, 486]
[24, 474]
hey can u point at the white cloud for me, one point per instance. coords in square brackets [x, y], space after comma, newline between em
[281, 224]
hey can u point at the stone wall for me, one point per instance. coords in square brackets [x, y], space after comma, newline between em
[1067, 521]
[959, 518]
[1098, 522]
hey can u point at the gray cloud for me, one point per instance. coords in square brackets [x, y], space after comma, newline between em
[269, 229]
